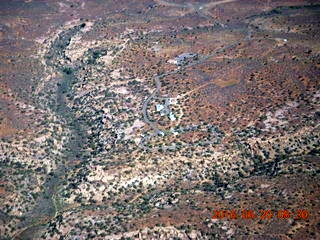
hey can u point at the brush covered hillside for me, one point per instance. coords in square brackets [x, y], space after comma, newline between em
[159, 119]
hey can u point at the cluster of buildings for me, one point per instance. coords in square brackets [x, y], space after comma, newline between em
[164, 110]
[183, 58]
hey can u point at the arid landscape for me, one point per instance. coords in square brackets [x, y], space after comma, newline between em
[160, 119]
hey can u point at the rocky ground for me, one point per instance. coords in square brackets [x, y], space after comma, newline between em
[104, 136]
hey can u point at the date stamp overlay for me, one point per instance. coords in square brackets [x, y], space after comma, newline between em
[265, 214]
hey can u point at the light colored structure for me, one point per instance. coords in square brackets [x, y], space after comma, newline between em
[172, 117]
[181, 59]
[173, 61]
[173, 101]
[159, 107]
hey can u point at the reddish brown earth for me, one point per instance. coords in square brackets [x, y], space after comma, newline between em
[80, 156]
